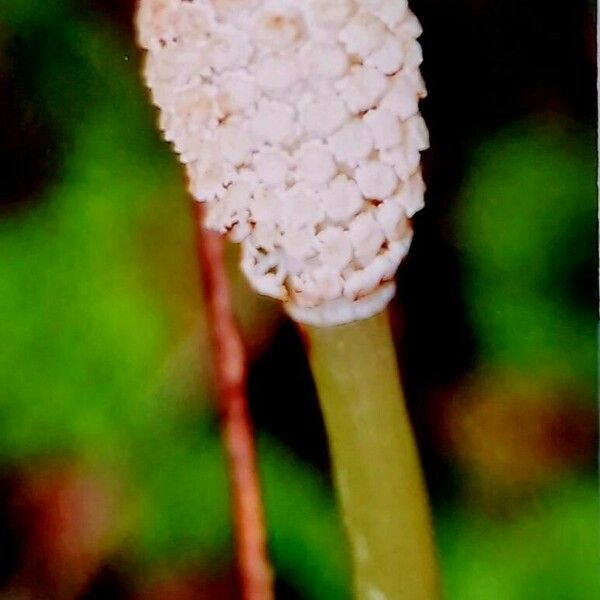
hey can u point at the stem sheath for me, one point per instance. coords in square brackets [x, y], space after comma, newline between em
[375, 461]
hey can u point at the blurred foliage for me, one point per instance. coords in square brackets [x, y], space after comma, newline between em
[549, 552]
[527, 229]
[102, 358]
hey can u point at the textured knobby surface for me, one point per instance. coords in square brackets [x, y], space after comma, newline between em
[375, 461]
[299, 127]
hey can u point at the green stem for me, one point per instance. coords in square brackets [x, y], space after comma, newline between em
[375, 461]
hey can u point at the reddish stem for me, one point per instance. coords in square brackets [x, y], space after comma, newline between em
[236, 426]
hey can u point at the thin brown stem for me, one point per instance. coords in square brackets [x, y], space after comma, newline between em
[236, 426]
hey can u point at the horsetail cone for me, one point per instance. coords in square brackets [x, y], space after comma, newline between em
[299, 127]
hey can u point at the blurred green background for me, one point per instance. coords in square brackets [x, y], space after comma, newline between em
[112, 482]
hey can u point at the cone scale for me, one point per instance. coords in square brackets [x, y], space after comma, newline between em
[299, 127]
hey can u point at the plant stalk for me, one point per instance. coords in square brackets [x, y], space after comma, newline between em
[256, 578]
[375, 462]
